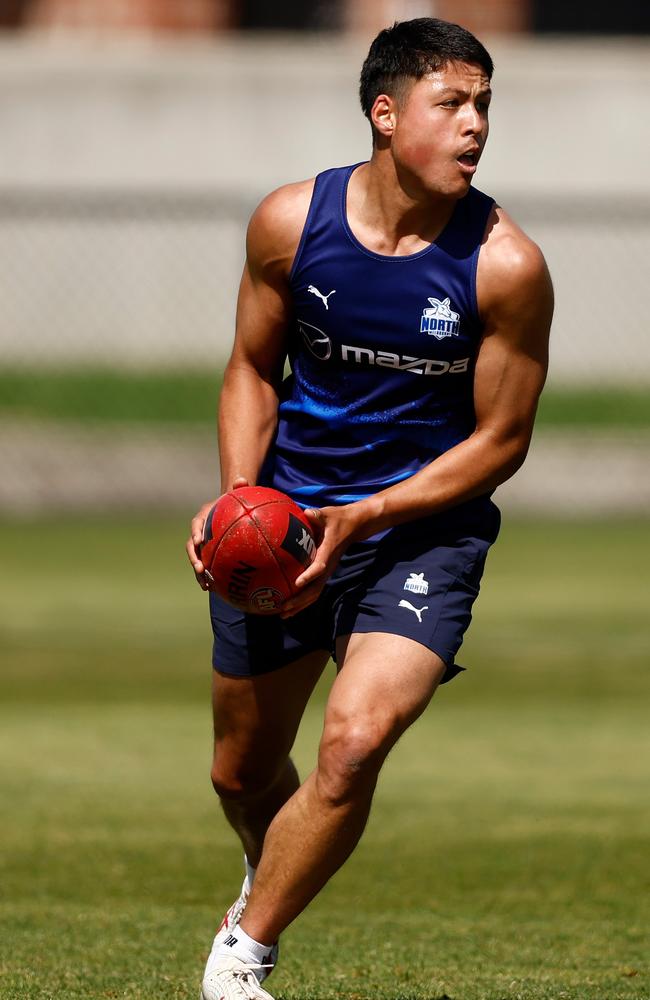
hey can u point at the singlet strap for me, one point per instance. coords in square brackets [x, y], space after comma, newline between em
[324, 207]
[463, 236]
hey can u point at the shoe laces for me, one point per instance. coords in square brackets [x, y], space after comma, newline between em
[251, 987]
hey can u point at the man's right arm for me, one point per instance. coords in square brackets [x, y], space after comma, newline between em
[249, 396]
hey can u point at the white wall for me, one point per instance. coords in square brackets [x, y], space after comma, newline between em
[245, 115]
[227, 121]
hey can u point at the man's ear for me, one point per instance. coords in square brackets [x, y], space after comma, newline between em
[383, 114]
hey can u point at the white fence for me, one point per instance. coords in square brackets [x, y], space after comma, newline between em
[128, 172]
[150, 280]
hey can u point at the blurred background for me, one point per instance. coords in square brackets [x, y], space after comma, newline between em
[136, 136]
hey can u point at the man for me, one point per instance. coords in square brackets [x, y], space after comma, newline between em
[415, 314]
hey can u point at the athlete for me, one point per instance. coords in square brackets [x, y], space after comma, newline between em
[415, 315]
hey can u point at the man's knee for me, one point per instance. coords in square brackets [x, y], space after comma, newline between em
[350, 757]
[239, 777]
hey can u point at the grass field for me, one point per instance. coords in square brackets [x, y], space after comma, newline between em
[109, 396]
[506, 854]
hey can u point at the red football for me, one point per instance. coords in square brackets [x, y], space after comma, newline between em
[256, 542]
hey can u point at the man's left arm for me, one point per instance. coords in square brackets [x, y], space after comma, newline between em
[515, 297]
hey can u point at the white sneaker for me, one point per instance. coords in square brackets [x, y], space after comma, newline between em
[231, 979]
[227, 925]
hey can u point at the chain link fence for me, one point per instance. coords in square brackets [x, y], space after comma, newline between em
[147, 282]
[150, 280]
[115, 280]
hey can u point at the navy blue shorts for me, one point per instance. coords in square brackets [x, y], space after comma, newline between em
[419, 580]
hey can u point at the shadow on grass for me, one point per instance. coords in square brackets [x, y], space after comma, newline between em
[345, 995]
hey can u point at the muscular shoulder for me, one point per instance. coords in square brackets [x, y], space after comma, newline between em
[512, 274]
[276, 226]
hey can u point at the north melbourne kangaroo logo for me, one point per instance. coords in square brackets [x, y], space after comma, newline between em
[318, 342]
[416, 583]
[440, 320]
[323, 298]
[418, 612]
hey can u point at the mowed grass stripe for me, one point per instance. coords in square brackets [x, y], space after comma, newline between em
[101, 607]
[189, 397]
[505, 852]
[476, 872]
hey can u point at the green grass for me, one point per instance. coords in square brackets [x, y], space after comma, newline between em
[601, 407]
[505, 855]
[190, 397]
[110, 396]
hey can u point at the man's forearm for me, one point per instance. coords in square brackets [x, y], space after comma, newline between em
[247, 419]
[470, 469]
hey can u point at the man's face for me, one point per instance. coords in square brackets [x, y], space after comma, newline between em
[440, 129]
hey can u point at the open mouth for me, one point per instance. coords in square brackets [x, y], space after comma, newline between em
[468, 160]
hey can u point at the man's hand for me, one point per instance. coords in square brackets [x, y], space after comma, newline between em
[193, 544]
[335, 528]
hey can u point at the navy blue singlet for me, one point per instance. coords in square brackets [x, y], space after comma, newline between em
[382, 353]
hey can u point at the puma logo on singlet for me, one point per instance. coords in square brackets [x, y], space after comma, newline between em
[323, 298]
[418, 612]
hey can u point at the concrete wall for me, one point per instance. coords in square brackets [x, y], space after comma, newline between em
[568, 119]
[159, 124]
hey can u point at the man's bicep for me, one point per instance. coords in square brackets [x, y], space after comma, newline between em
[507, 385]
[264, 305]
[263, 317]
[513, 357]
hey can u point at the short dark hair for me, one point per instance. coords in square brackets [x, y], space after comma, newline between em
[410, 50]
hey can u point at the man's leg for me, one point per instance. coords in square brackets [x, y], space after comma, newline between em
[255, 725]
[385, 683]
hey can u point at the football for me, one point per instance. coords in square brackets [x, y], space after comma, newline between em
[256, 542]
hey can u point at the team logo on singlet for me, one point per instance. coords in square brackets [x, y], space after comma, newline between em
[416, 583]
[318, 342]
[440, 320]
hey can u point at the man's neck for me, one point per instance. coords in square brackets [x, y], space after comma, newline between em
[391, 216]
